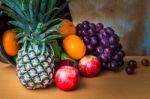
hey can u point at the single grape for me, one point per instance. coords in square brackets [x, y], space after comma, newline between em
[91, 32]
[117, 57]
[99, 50]
[110, 58]
[85, 22]
[108, 51]
[100, 35]
[99, 27]
[113, 65]
[145, 62]
[103, 57]
[79, 32]
[86, 26]
[104, 65]
[112, 40]
[84, 32]
[94, 40]
[117, 37]
[109, 30]
[120, 63]
[86, 40]
[113, 46]
[92, 26]
[90, 47]
[119, 47]
[130, 70]
[121, 53]
[105, 43]
[104, 34]
[79, 26]
[132, 63]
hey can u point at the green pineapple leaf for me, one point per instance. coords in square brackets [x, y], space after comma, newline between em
[56, 49]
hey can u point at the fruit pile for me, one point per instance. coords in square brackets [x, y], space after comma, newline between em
[48, 46]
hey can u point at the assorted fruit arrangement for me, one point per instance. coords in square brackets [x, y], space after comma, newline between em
[48, 47]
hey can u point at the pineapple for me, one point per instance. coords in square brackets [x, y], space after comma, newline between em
[36, 23]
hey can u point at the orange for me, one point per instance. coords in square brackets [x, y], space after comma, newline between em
[74, 46]
[10, 44]
[68, 28]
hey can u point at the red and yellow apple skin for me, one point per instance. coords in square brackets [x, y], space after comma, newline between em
[89, 66]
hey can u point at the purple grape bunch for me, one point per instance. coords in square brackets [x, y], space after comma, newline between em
[103, 43]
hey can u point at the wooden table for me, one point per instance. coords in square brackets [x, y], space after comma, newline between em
[107, 85]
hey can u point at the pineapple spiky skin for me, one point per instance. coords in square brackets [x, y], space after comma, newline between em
[36, 23]
[33, 69]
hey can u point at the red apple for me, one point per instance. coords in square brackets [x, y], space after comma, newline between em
[89, 66]
[66, 78]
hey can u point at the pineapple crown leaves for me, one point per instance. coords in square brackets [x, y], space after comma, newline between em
[28, 13]
[37, 20]
[39, 36]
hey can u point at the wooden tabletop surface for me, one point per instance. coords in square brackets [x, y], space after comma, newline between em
[107, 85]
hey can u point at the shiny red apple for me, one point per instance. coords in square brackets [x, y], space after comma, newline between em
[89, 66]
[66, 78]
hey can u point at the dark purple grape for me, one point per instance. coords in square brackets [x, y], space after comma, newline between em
[109, 30]
[130, 70]
[92, 26]
[113, 40]
[105, 43]
[86, 26]
[91, 32]
[105, 65]
[113, 66]
[99, 26]
[90, 47]
[85, 22]
[104, 34]
[145, 62]
[100, 36]
[79, 32]
[103, 57]
[121, 53]
[119, 47]
[113, 46]
[117, 37]
[132, 63]
[117, 57]
[108, 51]
[84, 32]
[79, 26]
[99, 50]
[120, 63]
[94, 40]
[110, 58]
[86, 40]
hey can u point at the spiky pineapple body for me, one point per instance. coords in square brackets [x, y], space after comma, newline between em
[33, 69]
[37, 23]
